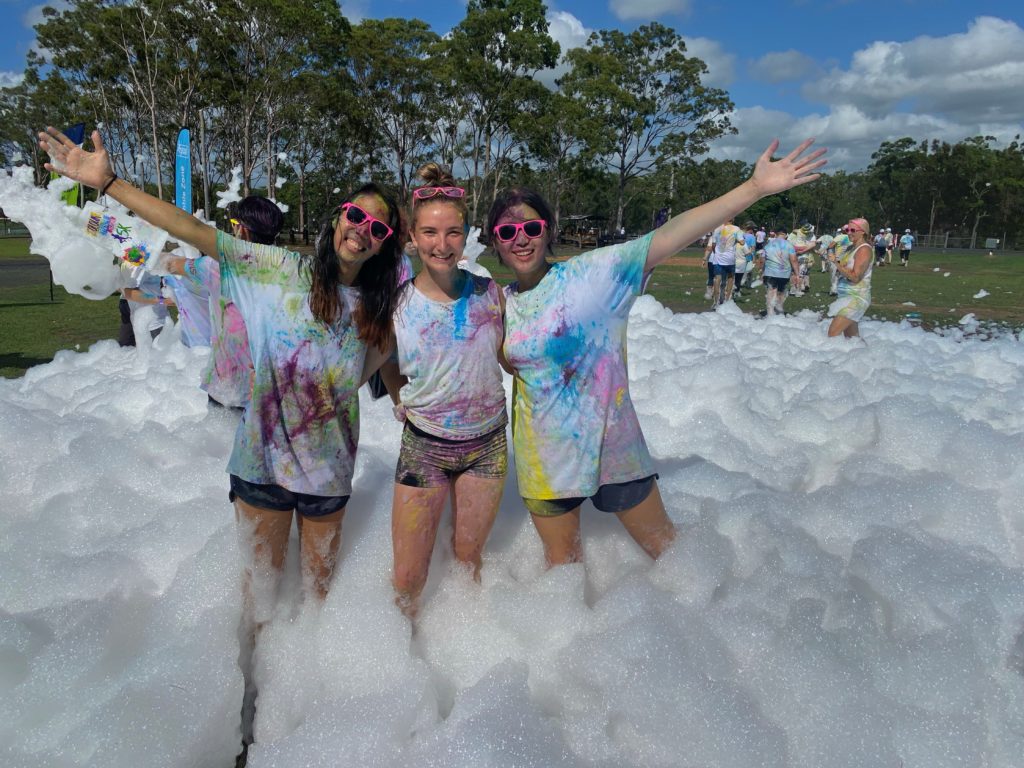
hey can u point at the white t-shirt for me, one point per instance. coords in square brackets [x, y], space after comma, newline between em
[449, 352]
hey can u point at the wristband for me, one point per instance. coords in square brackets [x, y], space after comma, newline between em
[107, 185]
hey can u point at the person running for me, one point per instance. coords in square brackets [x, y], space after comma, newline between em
[780, 268]
[890, 242]
[854, 272]
[575, 431]
[448, 329]
[906, 244]
[720, 254]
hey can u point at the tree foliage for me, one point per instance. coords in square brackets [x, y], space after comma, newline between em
[309, 105]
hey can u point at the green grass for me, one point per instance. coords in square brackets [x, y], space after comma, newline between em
[35, 329]
[681, 288]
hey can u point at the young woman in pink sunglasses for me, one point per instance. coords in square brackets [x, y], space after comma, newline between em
[448, 333]
[317, 326]
[575, 432]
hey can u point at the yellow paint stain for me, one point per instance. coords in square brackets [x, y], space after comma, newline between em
[620, 395]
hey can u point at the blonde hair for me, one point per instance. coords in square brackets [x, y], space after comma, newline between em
[434, 175]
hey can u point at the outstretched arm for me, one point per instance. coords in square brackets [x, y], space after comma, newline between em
[769, 178]
[94, 170]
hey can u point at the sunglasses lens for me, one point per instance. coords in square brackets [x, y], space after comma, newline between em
[355, 215]
[378, 230]
[533, 228]
[506, 232]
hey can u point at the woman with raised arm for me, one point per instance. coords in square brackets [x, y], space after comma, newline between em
[310, 322]
[575, 432]
[448, 329]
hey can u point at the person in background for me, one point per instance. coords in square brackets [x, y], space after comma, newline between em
[906, 244]
[854, 269]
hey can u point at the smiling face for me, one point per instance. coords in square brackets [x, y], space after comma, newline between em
[523, 255]
[439, 233]
[352, 242]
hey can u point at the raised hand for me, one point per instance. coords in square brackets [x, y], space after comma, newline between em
[791, 171]
[68, 159]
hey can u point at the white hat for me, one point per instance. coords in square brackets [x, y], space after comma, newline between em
[889, 229]
[908, 231]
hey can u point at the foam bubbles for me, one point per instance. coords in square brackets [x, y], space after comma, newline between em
[846, 589]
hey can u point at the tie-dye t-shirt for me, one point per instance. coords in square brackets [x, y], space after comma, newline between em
[862, 288]
[726, 237]
[449, 352]
[776, 258]
[574, 426]
[301, 426]
[193, 302]
[228, 375]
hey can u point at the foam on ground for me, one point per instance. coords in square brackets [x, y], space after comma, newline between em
[847, 588]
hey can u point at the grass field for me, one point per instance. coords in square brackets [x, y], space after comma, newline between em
[33, 329]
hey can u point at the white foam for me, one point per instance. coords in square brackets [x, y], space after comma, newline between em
[847, 588]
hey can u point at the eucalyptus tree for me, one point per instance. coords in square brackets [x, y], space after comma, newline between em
[495, 50]
[647, 104]
[394, 85]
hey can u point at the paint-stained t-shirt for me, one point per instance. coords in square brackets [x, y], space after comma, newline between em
[777, 258]
[574, 425]
[228, 375]
[449, 352]
[301, 426]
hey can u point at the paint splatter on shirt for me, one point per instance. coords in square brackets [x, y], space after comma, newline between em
[301, 426]
[777, 255]
[449, 352]
[228, 375]
[575, 427]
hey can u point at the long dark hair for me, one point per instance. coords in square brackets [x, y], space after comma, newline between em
[514, 196]
[377, 278]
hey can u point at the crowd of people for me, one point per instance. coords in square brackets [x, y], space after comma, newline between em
[734, 255]
[294, 337]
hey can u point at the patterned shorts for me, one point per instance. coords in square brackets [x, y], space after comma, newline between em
[426, 461]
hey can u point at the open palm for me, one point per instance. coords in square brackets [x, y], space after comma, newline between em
[91, 168]
[792, 170]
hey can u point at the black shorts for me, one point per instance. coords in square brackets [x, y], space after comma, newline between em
[777, 283]
[281, 499]
[613, 497]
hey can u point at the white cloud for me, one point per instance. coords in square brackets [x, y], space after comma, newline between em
[783, 66]
[648, 9]
[721, 64]
[34, 15]
[850, 134]
[354, 10]
[569, 32]
[10, 79]
[977, 75]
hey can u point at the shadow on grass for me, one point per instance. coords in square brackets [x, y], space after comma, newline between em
[15, 364]
[12, 304]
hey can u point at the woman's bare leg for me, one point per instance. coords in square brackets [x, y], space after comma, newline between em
[561, 537]
[474, 506]
[649, 524]
[415, 516]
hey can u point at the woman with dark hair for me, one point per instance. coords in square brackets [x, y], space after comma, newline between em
[448, 332]
[227, 378]
[311, 323]
[575, 432]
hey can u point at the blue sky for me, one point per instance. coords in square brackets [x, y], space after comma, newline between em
[851, 72]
